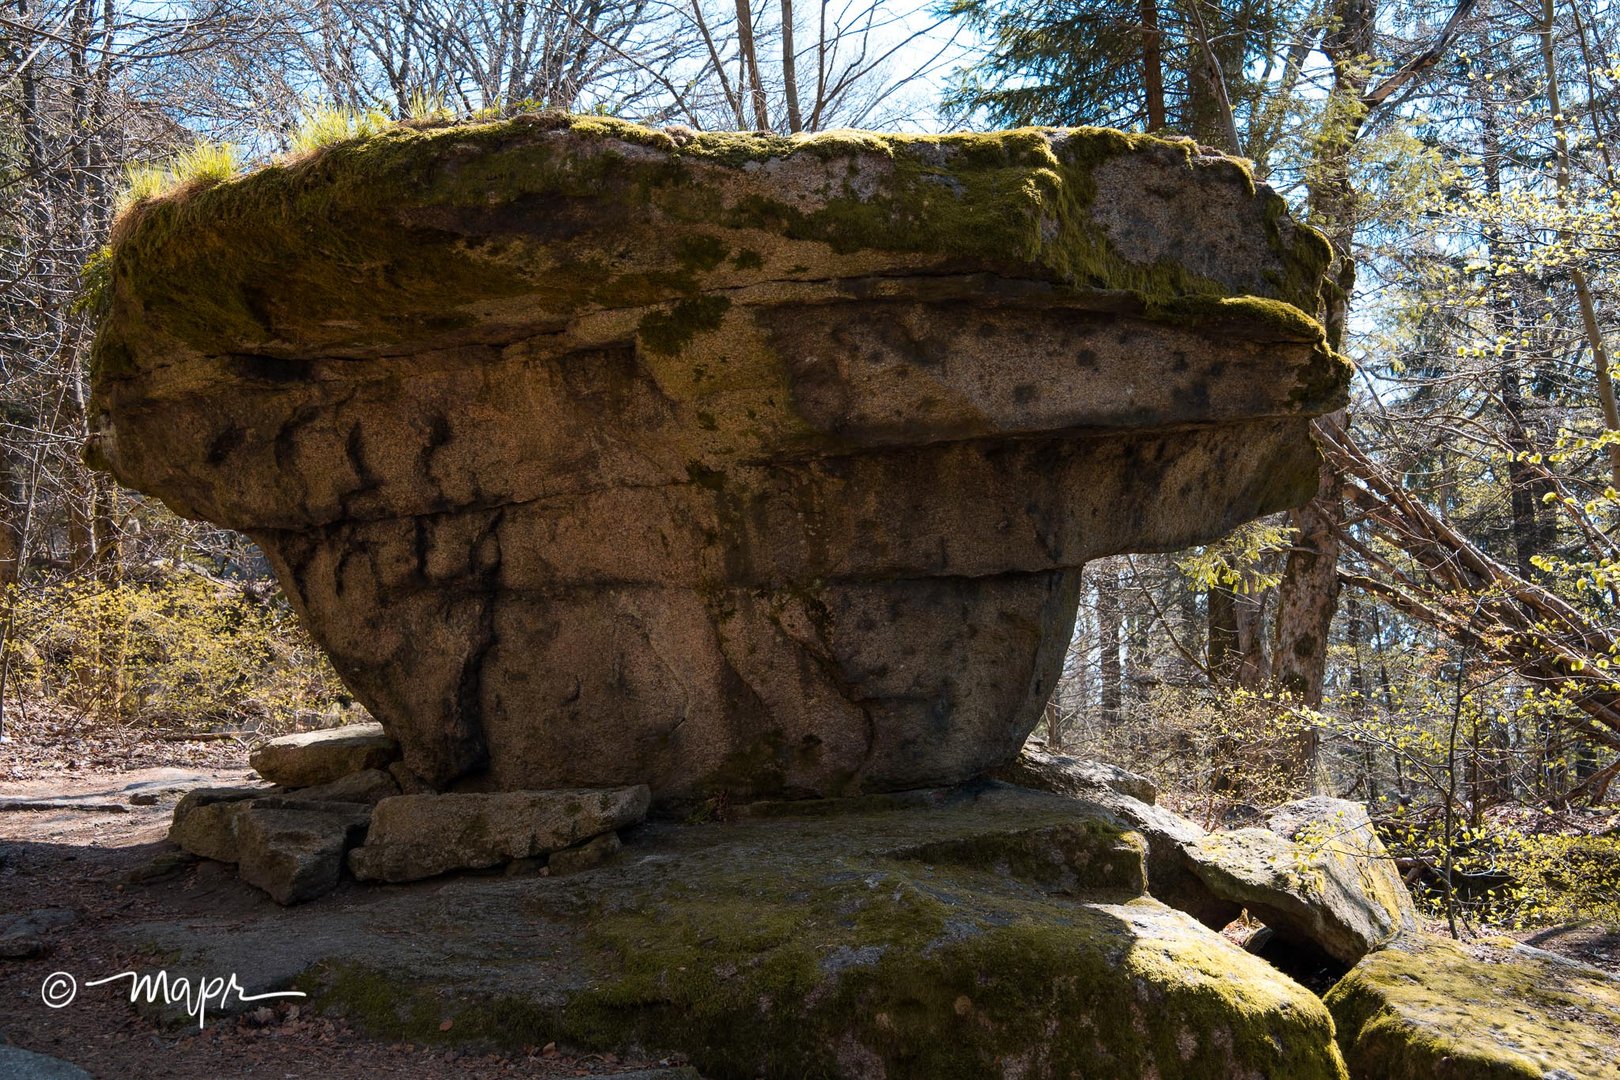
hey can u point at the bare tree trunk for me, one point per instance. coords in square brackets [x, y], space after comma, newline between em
[1152, 66]
[1237, 644]
[1224, 133]
[733, 100]
[790, 70]
[1577, 275]
[1309, 592]
[750, 64]
[1109, 642]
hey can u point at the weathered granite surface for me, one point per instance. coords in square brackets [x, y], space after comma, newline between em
[740, 464]
[329, 755]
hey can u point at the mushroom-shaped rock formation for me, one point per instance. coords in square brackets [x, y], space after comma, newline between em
[738, 463]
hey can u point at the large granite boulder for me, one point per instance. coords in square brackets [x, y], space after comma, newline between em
[727, 463]
[1428, 1008]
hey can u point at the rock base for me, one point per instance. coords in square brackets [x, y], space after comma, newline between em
[989, 931]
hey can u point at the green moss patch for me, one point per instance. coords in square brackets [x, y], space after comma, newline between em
[436, 235]
[1432, 1009]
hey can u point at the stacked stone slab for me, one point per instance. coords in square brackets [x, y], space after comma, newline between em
[730, 464]
[335, 808]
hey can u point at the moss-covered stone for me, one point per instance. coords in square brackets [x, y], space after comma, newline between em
[362, 226]
[1318, 875]
[1427, 1008]
[921, 937]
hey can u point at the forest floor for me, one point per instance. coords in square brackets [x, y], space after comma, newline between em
[81, 857]
[92, 851]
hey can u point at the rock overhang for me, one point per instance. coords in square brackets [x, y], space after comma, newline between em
[555, 417]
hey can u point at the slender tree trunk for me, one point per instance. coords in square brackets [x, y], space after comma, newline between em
[1309, 591]
[1153, 66]
[790, 69]
[1524, 488]
[734, 100]
[1308, 594]
[1109, 642]
[1236, 646]
[1577, 275]
[1222, 127]
[750, 62]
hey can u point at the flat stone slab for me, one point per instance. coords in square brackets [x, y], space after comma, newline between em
[580, 448]
[323, 757]
[418, 836]
[1428, 1008]
[366, 786]
[995, 932]
[1063, 774]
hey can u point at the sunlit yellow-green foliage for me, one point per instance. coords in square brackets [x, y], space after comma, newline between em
[427, 108]
[1242, 561]
[189, 652]
[1214, 753]
[203, 163]
[1560, 879]
[326, 125]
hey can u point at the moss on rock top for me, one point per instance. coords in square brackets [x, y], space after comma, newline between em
[458, 232]
[1431, 1009]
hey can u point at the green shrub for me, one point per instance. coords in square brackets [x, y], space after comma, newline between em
[188, 652]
